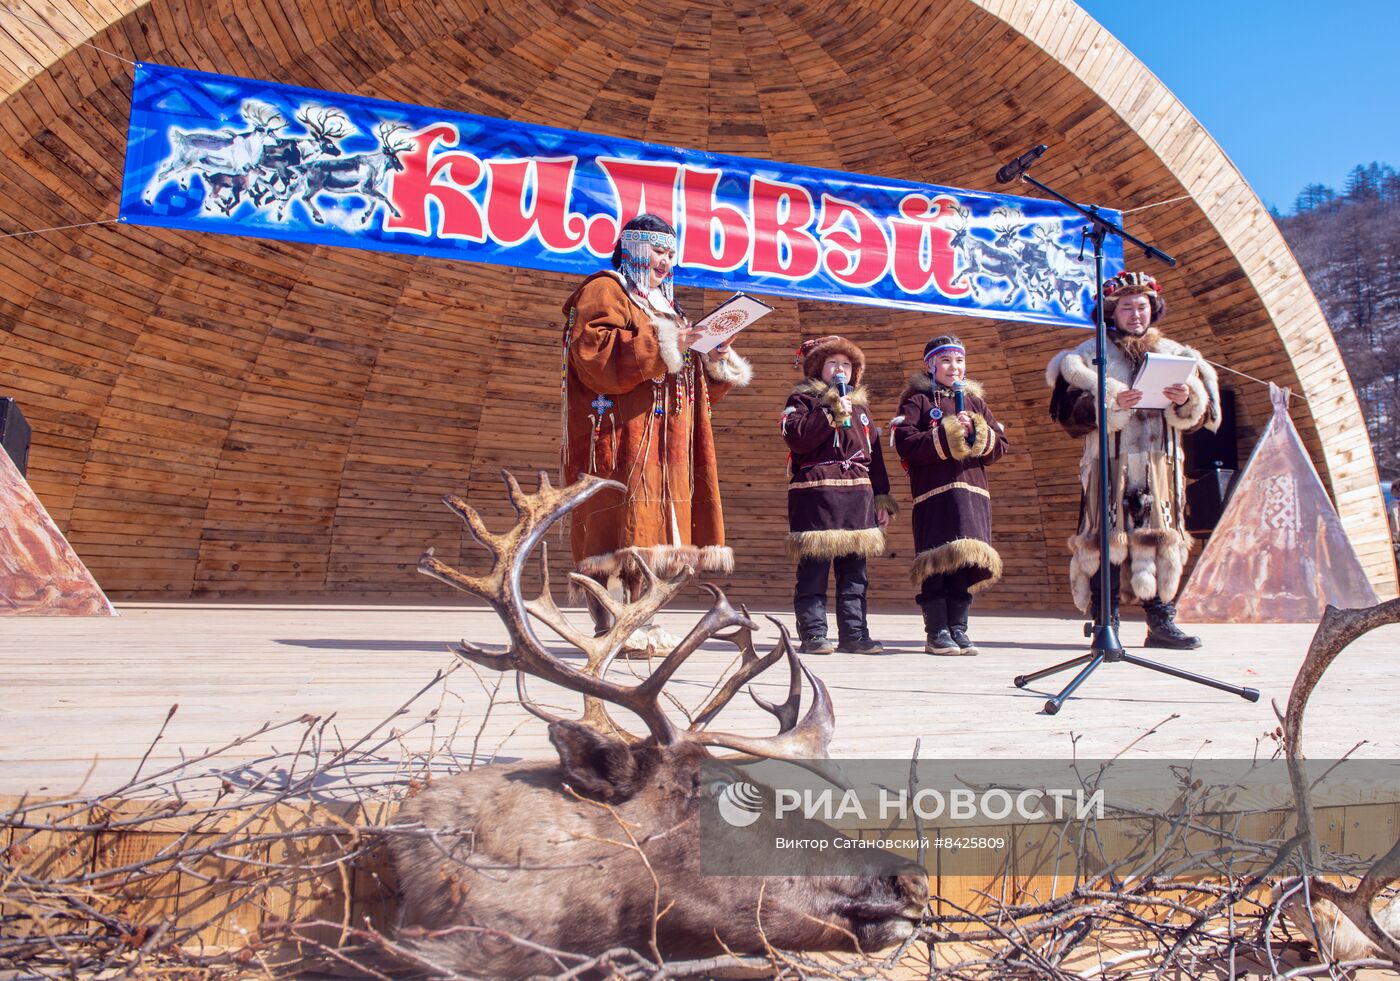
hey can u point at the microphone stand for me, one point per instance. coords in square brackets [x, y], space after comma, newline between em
[1106, 647]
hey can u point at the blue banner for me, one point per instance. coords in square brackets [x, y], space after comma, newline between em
[220, 154]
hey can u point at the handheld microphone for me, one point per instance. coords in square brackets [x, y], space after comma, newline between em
[842, 390]
[960, 402]
[1013, 170]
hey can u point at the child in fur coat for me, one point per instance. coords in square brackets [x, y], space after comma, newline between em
[838, 494]
[947, 453]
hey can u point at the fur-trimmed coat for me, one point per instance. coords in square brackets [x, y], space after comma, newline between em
[948, 479]
[637, 410]
[836, 474]
[1147, 500]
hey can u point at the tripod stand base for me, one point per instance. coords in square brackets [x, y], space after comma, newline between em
[1106, 649]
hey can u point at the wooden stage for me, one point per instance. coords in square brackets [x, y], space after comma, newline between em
[84, 697]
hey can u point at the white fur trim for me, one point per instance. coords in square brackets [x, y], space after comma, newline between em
[1077, 368]
[1144, 571]
[1084, 562]
[1202, 388]
[732, 369]
[1082, 566]
[1171, 563]
[668, 337]
[1188, 414]
[717, 558]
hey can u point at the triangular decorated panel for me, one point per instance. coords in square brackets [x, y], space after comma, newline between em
[1279, 553]
[40, 574]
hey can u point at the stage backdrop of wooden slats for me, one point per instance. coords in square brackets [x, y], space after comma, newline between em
[219, 416]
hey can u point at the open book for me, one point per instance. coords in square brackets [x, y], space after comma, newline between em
[727, 319]
[1161, 371]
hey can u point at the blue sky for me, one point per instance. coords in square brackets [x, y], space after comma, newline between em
[1295, 91]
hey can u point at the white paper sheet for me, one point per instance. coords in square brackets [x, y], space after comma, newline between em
[1161, 371]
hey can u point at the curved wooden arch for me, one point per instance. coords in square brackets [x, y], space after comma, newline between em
[218, 415]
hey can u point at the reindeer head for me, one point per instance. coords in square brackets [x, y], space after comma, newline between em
[601, 850]
[1006, 222]
[264, 118]
[958, 221]
[325, 125]
[392, 144]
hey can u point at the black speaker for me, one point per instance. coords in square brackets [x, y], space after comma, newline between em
[14, 434]
[1206, 497]
[1206, 451]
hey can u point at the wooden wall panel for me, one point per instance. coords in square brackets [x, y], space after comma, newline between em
[220, 416]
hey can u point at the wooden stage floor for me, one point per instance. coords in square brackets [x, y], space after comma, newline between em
[84, 697]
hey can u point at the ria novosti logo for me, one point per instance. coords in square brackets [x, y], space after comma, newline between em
[740, 804]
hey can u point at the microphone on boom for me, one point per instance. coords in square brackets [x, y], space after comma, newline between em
[1013, 170]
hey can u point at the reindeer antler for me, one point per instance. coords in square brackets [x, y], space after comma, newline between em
[1005, 220]
[389, 138]
[324, 121]
[809, 739]
[1336, 631]
[500, 587]
[262, 114]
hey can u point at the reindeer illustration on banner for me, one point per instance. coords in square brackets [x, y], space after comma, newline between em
[269, 170]
[1039, 271]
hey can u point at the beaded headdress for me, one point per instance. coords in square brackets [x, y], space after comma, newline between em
[636, 261]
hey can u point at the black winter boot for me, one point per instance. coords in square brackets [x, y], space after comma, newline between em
[868, 644]
[958, 607]
[940, 641]
[1162, 630]
[853, 636]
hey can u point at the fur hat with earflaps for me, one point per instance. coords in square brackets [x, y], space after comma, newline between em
[814, 352]
[1128, 284]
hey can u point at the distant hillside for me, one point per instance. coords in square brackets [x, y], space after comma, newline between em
[1348, 244]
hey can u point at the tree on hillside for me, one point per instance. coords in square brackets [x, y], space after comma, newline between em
[1313, 196]
[1349, 248]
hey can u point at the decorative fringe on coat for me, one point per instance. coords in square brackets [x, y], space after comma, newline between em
[664, 560]
[1157, 559]
[832, 543]
[956, 554]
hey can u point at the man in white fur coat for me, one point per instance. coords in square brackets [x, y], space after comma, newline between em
[1147, 501]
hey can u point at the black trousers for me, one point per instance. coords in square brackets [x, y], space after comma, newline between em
[809, 596]
[953, 586]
